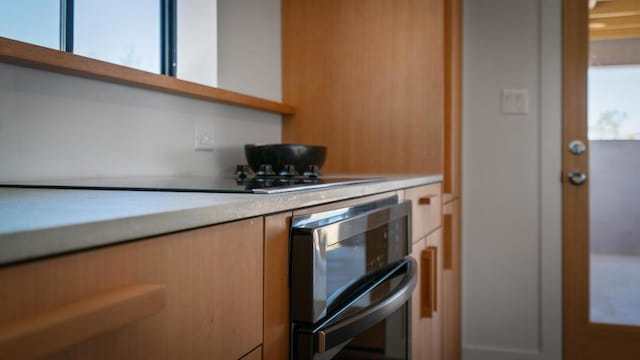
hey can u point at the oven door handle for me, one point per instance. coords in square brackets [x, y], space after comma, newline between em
[344, 330]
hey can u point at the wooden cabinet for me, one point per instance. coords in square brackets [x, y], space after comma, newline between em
[190, 295]
[216, 292]
[427, 301]
[436, 302]
[452, 281]
[367, 80]
[452, 178]
[428, 305]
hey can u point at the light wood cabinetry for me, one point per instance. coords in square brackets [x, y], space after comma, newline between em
[436, 302]
[190, 295]
[428, 304]
[380, 84]
[426, 209]
[452, 183]
[366, 79]
[427, 301]
[276, 286]
[452, 281]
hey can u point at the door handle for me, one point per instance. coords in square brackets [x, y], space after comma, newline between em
[342, 331]
[577, 147]
[577, 177]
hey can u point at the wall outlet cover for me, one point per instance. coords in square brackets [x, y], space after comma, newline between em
[203, 140]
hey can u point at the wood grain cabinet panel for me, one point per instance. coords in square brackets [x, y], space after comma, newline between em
[426, 209]
[452, 282]
[212, 281]
[367, 80]
[427, 328]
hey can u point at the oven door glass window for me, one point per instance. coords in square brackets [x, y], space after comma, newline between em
[372, 323]
[365, 254]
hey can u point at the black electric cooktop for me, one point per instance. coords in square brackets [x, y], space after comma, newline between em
[219, 184]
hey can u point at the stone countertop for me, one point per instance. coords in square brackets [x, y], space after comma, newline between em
[36, 223]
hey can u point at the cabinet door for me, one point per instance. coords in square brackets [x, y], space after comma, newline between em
[210, 305]
[427, 301]
[426, 209]
[375, 71]
[451, 282]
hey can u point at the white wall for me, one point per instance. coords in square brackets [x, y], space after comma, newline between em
[60, 126]
[511, 164]
[248, 60]
[197, 23]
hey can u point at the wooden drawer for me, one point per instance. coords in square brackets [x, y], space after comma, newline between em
[190, 295]
[426, 206]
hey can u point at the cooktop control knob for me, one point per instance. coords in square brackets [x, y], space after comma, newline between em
[265, 170]
[288, 170]
[312, 171]
[242, 171]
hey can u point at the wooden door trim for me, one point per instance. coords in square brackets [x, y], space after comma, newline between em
[574, 233]
[581, 339]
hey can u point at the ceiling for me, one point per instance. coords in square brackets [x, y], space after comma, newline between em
[614, 19]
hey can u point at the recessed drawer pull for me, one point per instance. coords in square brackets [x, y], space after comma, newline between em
[54, 330]
[426, 200]
[427, 286]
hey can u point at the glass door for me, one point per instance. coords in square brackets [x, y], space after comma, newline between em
[601, 181]
[614, 162]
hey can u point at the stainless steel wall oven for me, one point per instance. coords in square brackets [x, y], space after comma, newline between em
[351, 279]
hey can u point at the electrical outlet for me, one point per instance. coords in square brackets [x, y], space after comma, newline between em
[203, 140]
[515, 101]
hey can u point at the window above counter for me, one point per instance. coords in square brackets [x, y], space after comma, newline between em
[154, 52]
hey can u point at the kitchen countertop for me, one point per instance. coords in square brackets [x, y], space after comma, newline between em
[36, 223]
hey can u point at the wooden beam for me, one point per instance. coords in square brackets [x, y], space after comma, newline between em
[603, 34]
[615, 9]
[618, 22]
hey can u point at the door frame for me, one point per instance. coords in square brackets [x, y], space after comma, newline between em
[581, 338]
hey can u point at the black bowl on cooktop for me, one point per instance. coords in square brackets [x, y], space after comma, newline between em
[282, 158]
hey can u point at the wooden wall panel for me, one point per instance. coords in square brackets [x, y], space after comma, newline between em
[366, 78]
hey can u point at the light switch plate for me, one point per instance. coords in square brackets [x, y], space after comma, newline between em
[203, 140]
[515, 101]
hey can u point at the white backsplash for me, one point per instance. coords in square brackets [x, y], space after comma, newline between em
[61, 126]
